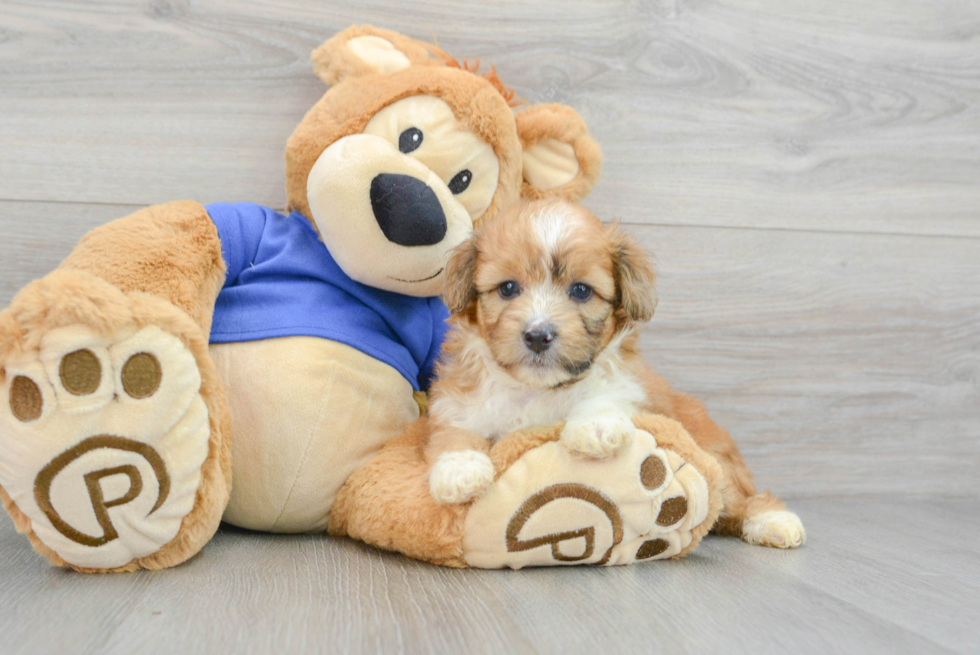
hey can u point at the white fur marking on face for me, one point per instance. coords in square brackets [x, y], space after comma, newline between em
[780, 529]
[544, 300]
[552, 229]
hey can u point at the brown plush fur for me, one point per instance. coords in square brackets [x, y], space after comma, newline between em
[171, 251]
[165, 263]
[387, 502]
[333, 62]
[346, 109]
[559, 122]
[162, 266]
[480, 102]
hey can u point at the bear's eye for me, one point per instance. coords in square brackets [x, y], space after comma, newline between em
[509, 290]
[459, 183]
[580, 292]
[410, 140]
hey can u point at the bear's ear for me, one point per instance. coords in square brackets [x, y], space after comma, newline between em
[560, 158]
[366, 50]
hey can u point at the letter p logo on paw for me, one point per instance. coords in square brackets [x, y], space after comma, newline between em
[561, 542]
[102, 441]
[50, 496]
[552, 506]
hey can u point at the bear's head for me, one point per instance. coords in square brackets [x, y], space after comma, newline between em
[409, 149]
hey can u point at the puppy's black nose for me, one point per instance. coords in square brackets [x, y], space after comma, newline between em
[407, 210]
[539, 339]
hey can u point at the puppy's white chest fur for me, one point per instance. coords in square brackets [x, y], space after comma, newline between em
[500, 404]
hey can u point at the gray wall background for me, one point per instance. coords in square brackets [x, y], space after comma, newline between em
[807, 173]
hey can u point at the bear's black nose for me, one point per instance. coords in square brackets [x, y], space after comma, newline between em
[407, 210]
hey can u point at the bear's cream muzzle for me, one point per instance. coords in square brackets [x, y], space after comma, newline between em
[387, 219]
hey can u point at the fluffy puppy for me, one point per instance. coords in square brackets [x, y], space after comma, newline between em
[545, 301]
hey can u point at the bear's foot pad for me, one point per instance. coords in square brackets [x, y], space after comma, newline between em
[102, 440]
[554, 507]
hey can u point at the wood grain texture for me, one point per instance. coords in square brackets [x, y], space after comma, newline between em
[770, 113]
[842, 363]
[866, 582]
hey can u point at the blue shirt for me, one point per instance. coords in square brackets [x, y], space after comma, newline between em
[282, 282]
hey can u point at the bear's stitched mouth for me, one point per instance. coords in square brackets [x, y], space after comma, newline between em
[424, 279]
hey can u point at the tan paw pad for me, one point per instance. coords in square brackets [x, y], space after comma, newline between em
[26, 400]
[102, 442]
[553, 506]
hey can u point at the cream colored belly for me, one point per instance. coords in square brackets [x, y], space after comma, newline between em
[306, 413]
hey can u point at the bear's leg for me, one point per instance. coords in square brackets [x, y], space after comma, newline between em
[387, 503]
[653, 499]
[114, 432]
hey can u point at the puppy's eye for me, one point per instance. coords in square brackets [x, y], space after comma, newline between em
[580, 292]
[509, 289]
[462, 180]
[410, 140]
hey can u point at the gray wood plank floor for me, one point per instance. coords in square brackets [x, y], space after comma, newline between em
[808, 175]
[877, 576]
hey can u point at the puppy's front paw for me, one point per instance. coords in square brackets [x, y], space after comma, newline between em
[460, 476]
[599, 435]
[781, 529]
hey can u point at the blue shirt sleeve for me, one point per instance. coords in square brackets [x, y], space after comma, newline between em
[240, 227]
[440, 314]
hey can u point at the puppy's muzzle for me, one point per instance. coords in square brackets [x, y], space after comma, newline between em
[407, 210]
[539, 339]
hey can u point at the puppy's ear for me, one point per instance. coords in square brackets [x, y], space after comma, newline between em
[636, 295]
[461, 278]
[367, 50]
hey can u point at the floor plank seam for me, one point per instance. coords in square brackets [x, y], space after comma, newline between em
[765, 228]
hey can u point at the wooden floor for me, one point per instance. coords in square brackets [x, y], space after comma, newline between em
[807, 173]
[877, 576]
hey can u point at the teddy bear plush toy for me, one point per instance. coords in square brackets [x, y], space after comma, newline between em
[183, 347]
